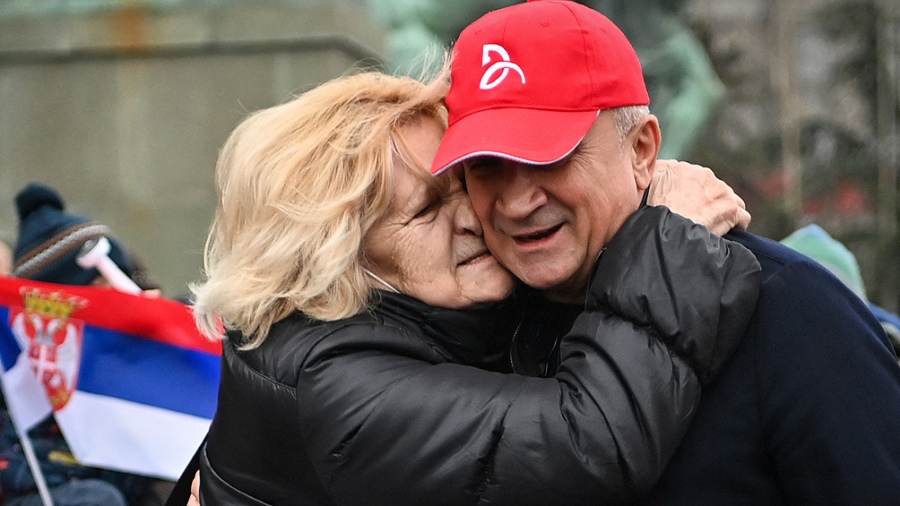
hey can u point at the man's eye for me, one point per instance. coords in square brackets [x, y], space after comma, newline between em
[480, 164]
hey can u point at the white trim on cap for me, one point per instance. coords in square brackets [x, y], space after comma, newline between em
[511, 157]
[506, 157]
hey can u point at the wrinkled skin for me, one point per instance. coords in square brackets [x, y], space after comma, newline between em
[696, 193]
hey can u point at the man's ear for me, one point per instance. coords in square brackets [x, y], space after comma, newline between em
[644, 140]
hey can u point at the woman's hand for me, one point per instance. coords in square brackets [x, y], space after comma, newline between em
[195, 491]
[696, 193]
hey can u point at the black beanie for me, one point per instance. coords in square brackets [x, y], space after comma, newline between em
[50, 239]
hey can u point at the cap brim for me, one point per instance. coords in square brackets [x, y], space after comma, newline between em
[525, 135]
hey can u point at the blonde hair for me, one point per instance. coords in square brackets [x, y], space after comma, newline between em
[299, 186]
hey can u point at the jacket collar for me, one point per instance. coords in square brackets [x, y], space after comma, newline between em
[478, 337]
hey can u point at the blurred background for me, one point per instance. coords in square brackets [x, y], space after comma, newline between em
[122, 105]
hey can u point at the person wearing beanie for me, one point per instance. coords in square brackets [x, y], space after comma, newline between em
[50, 239]
[549, 119]
[6, 259]
[47, 248]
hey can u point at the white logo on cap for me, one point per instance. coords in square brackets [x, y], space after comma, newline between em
[488, 79]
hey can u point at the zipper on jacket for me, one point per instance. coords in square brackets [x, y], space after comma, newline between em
[512, 345]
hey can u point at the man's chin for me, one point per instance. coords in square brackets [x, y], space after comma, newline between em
[554, 286]
[540, 283]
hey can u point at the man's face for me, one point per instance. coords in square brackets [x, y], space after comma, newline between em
[548, 223]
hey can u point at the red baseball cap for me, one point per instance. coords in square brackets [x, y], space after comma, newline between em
[527, 82]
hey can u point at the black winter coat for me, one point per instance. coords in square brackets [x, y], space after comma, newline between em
[379, 408]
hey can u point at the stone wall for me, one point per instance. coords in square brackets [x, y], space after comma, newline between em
[124, 110]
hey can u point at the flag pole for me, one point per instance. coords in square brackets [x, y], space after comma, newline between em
[30, 456]
[33, 464]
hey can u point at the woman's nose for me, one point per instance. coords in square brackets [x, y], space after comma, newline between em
[466, 222]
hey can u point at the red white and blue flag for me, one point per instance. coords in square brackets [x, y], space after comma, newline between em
[131, 382]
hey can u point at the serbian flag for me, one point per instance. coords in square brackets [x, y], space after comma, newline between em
[130, 380]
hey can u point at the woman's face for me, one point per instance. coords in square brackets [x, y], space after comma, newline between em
[429, 245]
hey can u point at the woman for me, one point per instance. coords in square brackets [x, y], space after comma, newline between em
[357, 294]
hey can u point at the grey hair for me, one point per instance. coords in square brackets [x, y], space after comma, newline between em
[628, 117]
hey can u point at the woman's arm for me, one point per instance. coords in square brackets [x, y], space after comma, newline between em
[384, 428]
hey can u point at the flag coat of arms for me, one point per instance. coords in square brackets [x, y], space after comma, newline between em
[131, 382]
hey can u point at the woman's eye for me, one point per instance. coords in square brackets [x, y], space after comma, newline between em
[427, 209]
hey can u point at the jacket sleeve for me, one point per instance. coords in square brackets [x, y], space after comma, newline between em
[665, 272]
[386, 428]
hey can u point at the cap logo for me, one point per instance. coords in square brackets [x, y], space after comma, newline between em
[490, 79]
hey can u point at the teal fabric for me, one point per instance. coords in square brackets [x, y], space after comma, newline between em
[814, 242]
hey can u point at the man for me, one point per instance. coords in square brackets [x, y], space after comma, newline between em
[549, 118]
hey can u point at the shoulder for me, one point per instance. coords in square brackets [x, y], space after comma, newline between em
[774, 257]
[807, 318]
[297, 342]
[793, 280]
[809, 326]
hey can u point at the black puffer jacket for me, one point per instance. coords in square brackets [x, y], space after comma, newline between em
[376, 409]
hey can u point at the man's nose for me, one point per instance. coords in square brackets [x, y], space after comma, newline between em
[518, 195]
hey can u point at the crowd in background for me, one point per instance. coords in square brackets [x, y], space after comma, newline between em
[46, 249]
